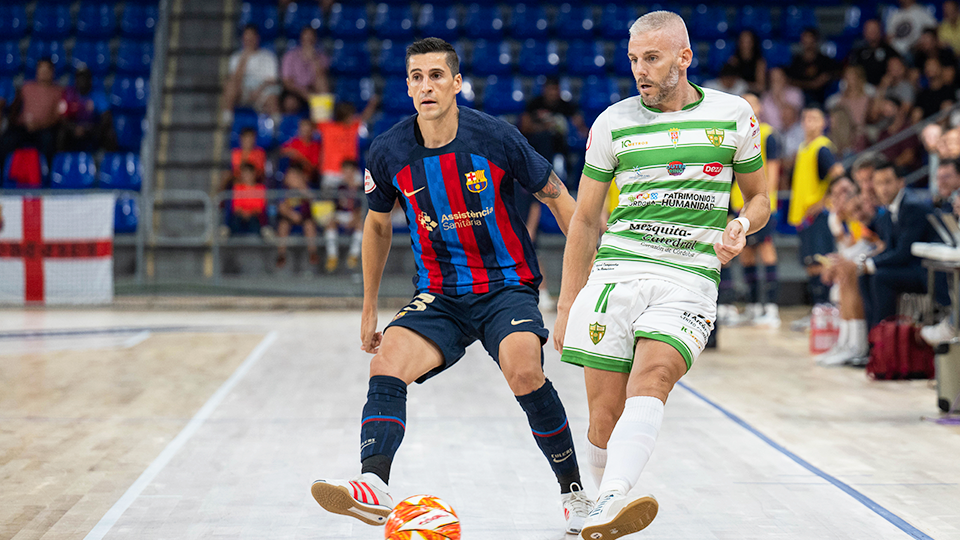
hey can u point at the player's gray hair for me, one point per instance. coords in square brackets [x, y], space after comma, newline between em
[663, 20]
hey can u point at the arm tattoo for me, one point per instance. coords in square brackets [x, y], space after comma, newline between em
[552, 190]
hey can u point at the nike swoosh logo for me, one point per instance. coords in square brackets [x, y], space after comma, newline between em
[414, 192]
[521, 321]
[555, 460]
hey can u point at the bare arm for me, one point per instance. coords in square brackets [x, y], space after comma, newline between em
[377, 235]
[558, 200]
[756, 209]
[581, 247]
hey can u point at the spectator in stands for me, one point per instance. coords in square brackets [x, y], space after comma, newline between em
[780, 96]
[347, 216]
[304, 69]
[35, 114]
[905, 154]
[855, 96]
[895, 83]
[949, 29]
[872, 53]
[748, 60]
[811, 70]
[249, 203]
[948, 147]
[844, 133]
[948, 184]
[248, 152]
[304, 150]
[812, 172]
[87, 123]
[341, 138]
[906, 23]
[929, 46]
[938, 94]
[295, 211]
[545, 121]
[253, 78]
[729, 81]
[862, 174]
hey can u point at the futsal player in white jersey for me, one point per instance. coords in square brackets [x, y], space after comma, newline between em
[641, 315]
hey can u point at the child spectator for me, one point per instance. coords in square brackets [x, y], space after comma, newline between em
[348, 215]
[88, 125]
[341, 137]
[294, 211]
[248, 152]
[249, 201]
[304, 149]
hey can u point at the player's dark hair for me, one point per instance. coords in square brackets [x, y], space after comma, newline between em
[294, 166]
[251, 26]
[434, 45]
[247, 166]
[349, 163]
[812, 30]
[884, 163]
[248, 130]
[837, 180]
[46, 60]
[951, 163]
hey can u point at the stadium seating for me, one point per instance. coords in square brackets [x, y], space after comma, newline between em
[134, 57]
[394, 22]
[467, 96]
[121, 170]
[13, 20]
[126, 215]
[491, 58]
[130, 94]
[350, 58]
[24, 168]
[529, 22]
[395, 98]
[73, 170]
[795, 20]
[438, 21]
[776, 53]
[483, 22]
[96, 21]
[588, 58]
[720, 51]
[51, 21]
[616, 21]
[621, 62]
[10, 59]
[300, 15]
[539, 58]
[598, 93]
[139, 20]
[95, 56]
[349, 21]
[129, 130]
[503, 95]
[288, 127]
[574, 22]
[45, 49]
[7, 90]
[709, 22]
[756, 18]
[392, 59]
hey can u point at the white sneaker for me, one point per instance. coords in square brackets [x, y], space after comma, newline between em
[752, 312]
[727, 315]
[576, 507]
[943, 332]
[364, 497]
[617, 515]
[846, 355]
[769, 316]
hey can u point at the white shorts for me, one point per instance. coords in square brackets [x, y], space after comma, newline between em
[606, 319]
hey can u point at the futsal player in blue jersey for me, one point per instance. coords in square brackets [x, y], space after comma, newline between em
[453, 171]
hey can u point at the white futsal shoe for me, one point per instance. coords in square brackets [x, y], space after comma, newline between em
[576, 507]
[364, 497]
[617, 515]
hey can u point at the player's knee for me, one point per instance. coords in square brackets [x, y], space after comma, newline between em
[602, 422]
[383, 363]
[655, 380]
[524, 380]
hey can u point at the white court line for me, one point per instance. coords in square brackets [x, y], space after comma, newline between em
[113, 515]
[135, 339]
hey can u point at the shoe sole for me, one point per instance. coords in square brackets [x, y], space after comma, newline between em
[633, 517]
[337, 500]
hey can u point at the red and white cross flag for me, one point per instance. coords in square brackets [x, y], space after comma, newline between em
[56, 249]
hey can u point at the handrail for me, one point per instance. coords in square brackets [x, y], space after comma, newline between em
[903, 135]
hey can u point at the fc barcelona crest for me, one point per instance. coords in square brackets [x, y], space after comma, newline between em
[596, 332]
[674, 136]
[476, 181]
[715, 136]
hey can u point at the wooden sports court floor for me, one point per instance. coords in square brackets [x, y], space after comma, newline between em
[212, 425]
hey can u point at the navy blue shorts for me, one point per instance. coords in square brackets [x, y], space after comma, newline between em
[765, 234]
[454, 322]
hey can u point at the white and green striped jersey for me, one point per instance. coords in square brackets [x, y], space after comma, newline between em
[674, 171]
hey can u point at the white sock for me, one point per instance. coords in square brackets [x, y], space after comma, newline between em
[844, 338]
[597, 459]
[355, 243]
[631, 443]
[331, 236]
[859, 339]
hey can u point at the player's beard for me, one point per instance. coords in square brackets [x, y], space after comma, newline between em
[665, 88]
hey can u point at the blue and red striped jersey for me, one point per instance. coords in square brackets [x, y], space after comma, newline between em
[466, 233]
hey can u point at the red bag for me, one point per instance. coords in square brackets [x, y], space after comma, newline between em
[898, 352]
[25, 168]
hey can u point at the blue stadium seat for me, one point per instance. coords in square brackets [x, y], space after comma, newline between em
[853, 19]
[467, 96]
[621, 62]
[10, 59]
[529, 22]
[776, 53]
[129, 129]
[491, 58]
[243, 118]
[13, 20]
[483, 22]
[10, 181]
[349, 22]
[7, 90]
[300, 15]
[588, 58]
[539, 58]
[795, 20]
[94, 55]
[616, 21]
[720, 51]
[130, 94]
[598, 93]
[392, 60]
[503, 95]
[709, 22]
[356, 91]
[266, 132]
[134, 57]
[51, 21]
[139, 21]
[73, 170]
[574, 22]
[756, 18]
[126, 215]
[265, 17]
[288, 127]
[350, 58]
[39, 49]
[121, 170]
[395, 98]
[394, 22]
[440, 22]
[96, 21]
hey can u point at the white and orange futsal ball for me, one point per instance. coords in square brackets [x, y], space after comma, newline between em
[422, 517]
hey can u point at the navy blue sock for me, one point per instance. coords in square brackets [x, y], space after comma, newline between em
[819, 293]
[773, 285]
[383, 425]
[548, 421]
[753, 286]
[726, 294]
